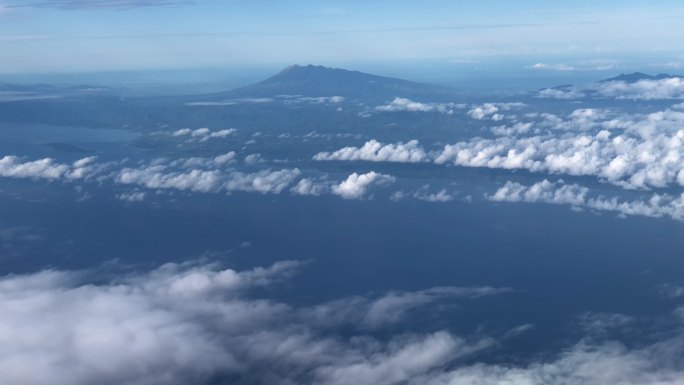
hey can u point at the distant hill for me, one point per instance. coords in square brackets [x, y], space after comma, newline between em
[636, 76]
[313, 80]
[49, 88]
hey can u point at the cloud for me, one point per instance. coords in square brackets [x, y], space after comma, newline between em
[374, 151]
[403, 104]
[670, 88]
[132, 197]
[198, 180]
[424, 194]
[376, 312]
[357, 185]
[310, 186]
[655, 206]
[646, 89]
[47, 168]
[97, 4]
[203, 134]
[638, 151]
[491, 110]
[190, 323]
[557, 93]
[552, 67]
[265, 181]
[254, 159]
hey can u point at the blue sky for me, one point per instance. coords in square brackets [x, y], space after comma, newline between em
[110, 35]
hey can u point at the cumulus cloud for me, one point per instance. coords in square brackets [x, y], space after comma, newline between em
[199, 180]
[638, 151]
[374, 151]
[310, 186]
[203, 134]
[132, 197]
[47, 168]
[403, 104]
[357, 185]
[492, 110]
[655, 206]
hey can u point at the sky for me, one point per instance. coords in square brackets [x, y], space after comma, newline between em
[53, 36]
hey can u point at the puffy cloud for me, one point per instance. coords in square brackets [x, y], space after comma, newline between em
[491, 110]
[199, 180]
[254, 159]
[309, 186]
[543, 191]
[47, 168]
[374, 151]
[632, 151]
[203, 134]
[157, 177]
[552, 67]
[357, 185]
[403, 104]
[226, 158]
[656, 206]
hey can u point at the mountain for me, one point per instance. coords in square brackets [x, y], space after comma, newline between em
[310, 80]
[52, 89]
[636, 76]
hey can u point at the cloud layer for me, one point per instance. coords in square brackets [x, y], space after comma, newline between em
[188, 323]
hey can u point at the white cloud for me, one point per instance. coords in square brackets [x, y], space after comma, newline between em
[254, 159]
[555, 93]
[491, 110]
[203, 134]
[403, 104]
[226, 158]
[186, 324]
[265, 181]
[309, 186]
[357, 185]
[199, 180]
[374, 151]
[157, 177]
[47, 168]
[639, 151]
[552, 67]
[656, 205]
[670, 88]
[647, 89]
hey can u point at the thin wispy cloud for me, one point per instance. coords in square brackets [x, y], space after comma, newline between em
[98, 4]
